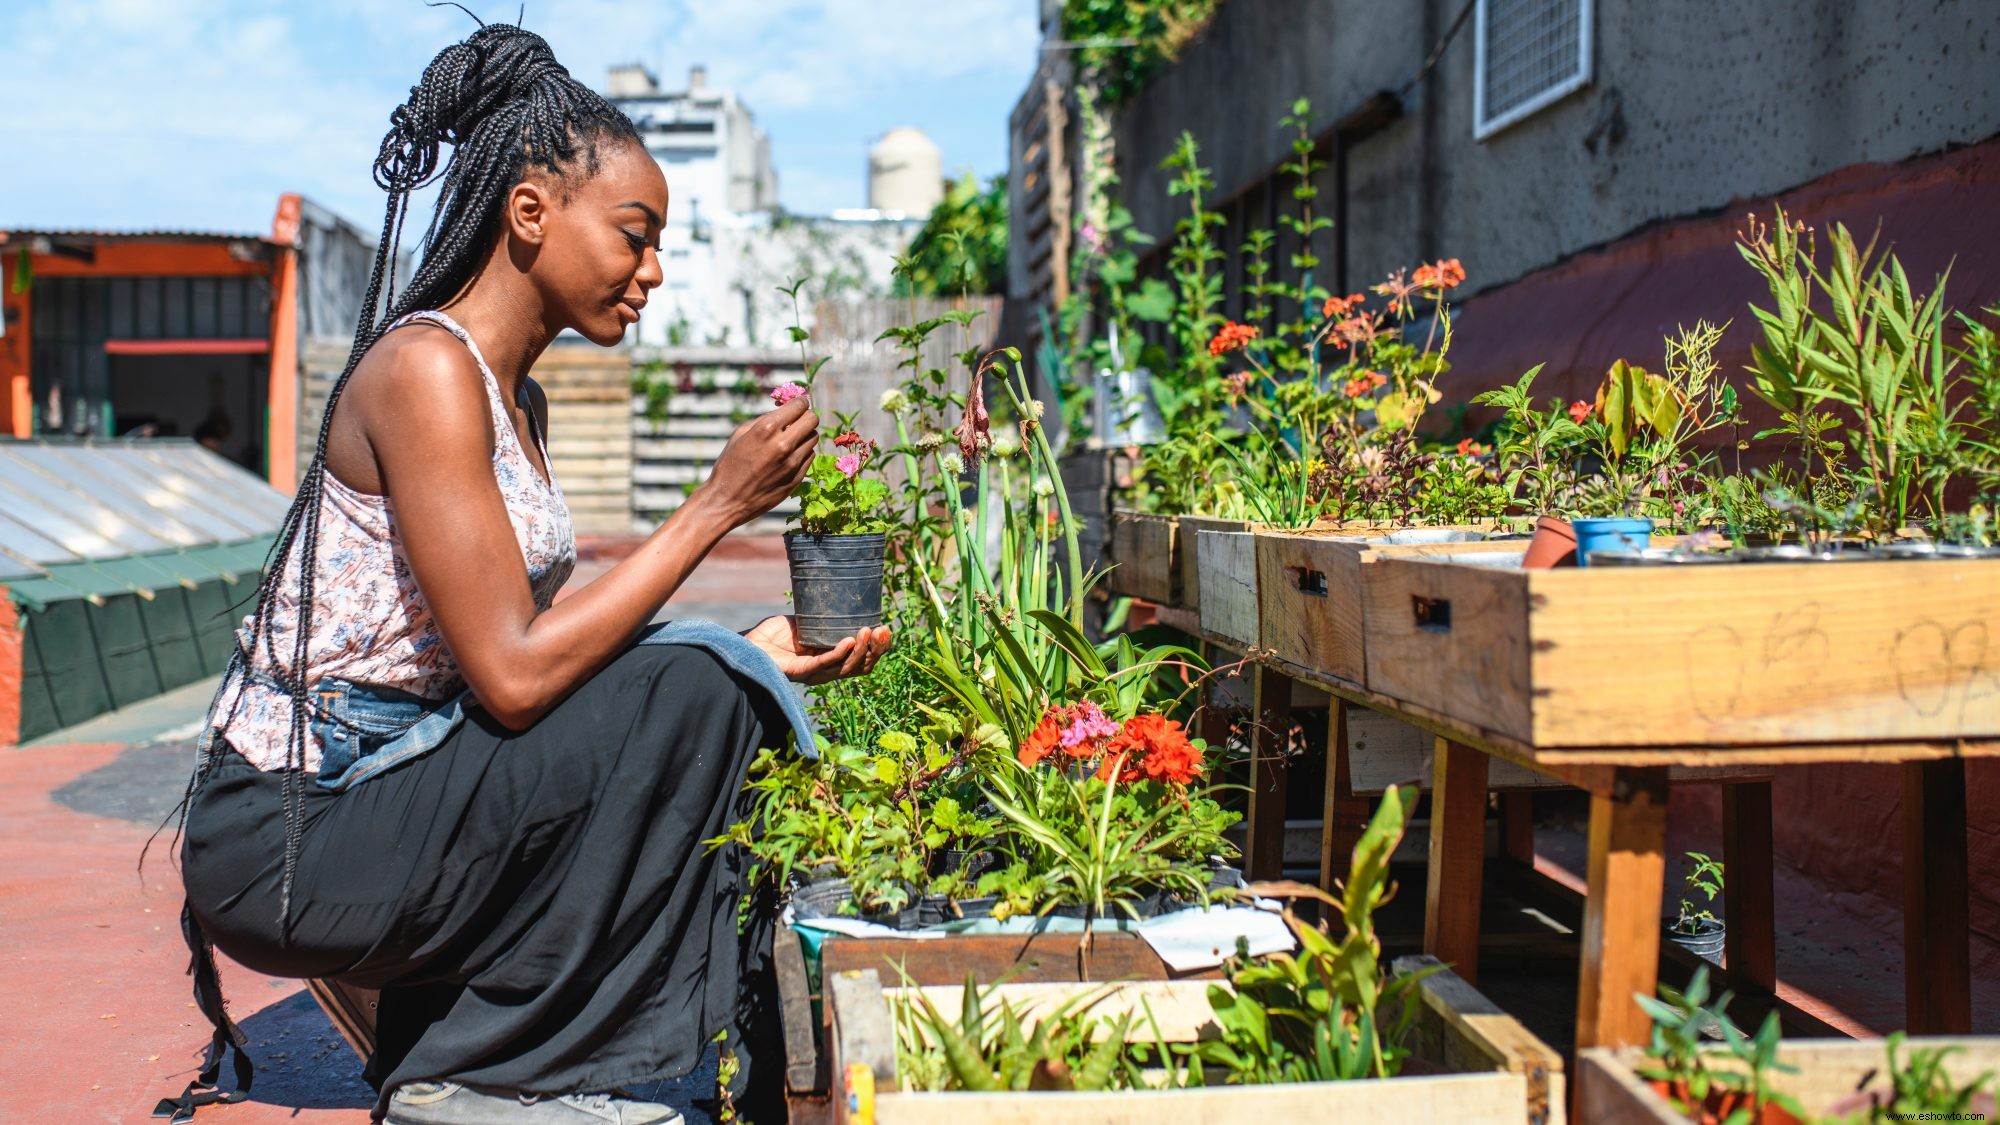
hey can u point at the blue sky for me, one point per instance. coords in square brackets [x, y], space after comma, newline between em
[197, 114]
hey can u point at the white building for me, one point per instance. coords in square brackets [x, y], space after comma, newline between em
[728, 245]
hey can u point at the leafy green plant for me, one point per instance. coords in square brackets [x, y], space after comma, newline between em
[1922, 1089]
[962, 247]
[1704, 877]
[992, 1046]
[1536, 449]
[1328, 1012]
[1679, 1057]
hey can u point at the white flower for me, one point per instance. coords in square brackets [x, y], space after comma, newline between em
[931, 440]
[1035, 407]
[894, 401]
[951, 462]
[1044, 487]
[1006, 445]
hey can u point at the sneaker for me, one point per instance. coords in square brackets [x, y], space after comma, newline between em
[448, 1103]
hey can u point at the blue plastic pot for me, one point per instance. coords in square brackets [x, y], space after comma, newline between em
[1620, 534]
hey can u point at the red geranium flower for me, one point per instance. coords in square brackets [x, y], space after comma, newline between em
[1232, 337]
[1469, 448]
[1447, 274]
[1579, 410]
[1042, 741]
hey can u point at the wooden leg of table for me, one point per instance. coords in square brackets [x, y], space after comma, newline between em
[1342, 817]
[1212, 726]
[1937, 972]
[1458, 858]
[1621, 916]
[1271, 709]
[1750, 944]
[1517, 827]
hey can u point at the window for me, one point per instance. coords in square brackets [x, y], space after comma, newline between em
[1527, 54]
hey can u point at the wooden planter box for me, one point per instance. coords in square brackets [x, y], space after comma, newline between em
[1311, 597]
[1228, 584]
[1047, 958]
[1608, 1089]
[1190, 528]
[1145, 556]
[1494, 1070]
[1780, 653]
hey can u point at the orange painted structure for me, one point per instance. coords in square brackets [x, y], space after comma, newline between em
[142, 318]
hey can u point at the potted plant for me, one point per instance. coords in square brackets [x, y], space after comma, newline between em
[836, 552]
[1680, 1069]
[1694, 928]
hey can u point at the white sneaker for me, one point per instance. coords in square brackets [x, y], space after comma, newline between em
[448, 1103]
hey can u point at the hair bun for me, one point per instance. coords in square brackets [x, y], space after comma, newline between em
[462, 86]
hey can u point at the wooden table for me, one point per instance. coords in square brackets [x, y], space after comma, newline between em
[1627, 845]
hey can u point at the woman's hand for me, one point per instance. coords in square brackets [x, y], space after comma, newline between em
[853, 656]
[765, 459]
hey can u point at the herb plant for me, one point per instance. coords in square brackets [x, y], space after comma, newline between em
[1704, 877]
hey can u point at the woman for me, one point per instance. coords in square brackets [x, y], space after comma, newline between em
[422, 775]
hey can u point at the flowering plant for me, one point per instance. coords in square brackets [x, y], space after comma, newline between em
[836, 498]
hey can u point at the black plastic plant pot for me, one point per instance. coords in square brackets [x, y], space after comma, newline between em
[836, 585]
[1705, 941]
[822, 898]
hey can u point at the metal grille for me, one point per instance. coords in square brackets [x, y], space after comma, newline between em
[1530, 52]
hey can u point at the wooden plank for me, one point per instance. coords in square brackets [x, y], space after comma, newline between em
[1343, 815]
[1463, 1099]
[1787, 653]
[351, 1010]
[1818, 1072]
[803, 1073]
[1750, 942]
[1191, 529]
[1451, 639]
[1621, 920]
[1114, 955]
[1692, 656]
[1264, 857]
[1229, 587]
[1468, 1032]
[1457, 860]
[1144, 549]
[1937, 974]
[861, 1035]
[1386, 751]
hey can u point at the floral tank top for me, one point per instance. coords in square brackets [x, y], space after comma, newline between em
[370, 623]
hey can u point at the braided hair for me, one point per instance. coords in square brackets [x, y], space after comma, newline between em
[506, 106]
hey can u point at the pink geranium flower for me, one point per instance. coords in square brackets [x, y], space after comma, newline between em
[787, 392]
[848, 464]
[1088, 722]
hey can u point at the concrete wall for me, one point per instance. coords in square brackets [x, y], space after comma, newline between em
[1717, 102]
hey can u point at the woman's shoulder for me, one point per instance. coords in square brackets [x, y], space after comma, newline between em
[420, 363]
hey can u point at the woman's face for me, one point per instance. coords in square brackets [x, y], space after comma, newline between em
[600, 249]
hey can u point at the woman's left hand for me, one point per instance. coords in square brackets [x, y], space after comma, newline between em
[853, 656]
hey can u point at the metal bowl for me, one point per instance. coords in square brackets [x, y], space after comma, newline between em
[1938, 551]
[1658, 556]
[1796, 552]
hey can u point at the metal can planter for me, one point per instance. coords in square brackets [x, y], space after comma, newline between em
[836, 585]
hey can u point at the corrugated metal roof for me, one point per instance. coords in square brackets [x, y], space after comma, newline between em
[8, 237]
[65, 502]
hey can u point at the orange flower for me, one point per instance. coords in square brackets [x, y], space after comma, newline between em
[1579, 410]
[1042, 740]
[1364, 383]
[1232, 337]
[1161, 747]
[1339, 306]
[1469, 448]
[1447, 274]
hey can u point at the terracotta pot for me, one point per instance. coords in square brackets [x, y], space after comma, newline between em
[1721, 1104]
[1554, 544]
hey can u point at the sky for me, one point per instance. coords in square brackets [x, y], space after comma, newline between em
[198, 114]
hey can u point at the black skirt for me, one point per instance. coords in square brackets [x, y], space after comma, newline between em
[538, 908]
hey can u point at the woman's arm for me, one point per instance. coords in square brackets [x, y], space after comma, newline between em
[422, 405]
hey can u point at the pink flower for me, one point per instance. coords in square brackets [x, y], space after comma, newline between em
[786, 392]
[1580, 410]
[1087, 723]
[848, 464]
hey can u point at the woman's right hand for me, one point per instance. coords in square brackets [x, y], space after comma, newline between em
[765, 459]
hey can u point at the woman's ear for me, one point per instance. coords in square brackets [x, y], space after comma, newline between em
[527, 213]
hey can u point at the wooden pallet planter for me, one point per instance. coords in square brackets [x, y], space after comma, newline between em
[1045, 958]
[1311, 596]
[1780, 654]
[1609, 1089]
[1145, 556]
[1191, 527]
[1492, 1069]
[1228, 583]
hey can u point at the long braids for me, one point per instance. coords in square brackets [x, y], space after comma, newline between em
[504, 104]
